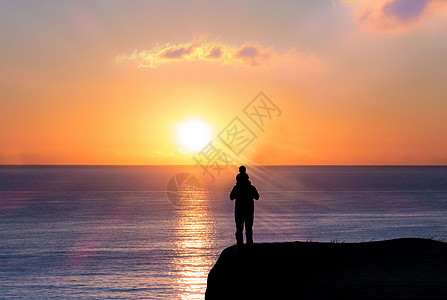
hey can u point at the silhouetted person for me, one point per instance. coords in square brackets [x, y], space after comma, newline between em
[242, 174]
[244, 193]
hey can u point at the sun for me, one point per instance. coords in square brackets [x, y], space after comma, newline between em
[193, 134]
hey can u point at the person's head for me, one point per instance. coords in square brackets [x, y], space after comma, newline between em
[242, 169]
[242, 178]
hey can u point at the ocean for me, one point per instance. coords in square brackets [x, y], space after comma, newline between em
[154, 232]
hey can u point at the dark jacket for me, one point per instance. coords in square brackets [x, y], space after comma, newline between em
[244, 193]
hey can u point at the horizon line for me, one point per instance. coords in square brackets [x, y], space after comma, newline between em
[257, 165]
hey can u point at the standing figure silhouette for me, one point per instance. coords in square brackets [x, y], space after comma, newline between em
[244, 193]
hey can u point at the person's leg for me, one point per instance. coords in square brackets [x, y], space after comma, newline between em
[249, 228]
[239, 218]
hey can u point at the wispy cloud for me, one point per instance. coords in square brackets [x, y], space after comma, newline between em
[391, 15]
[247, 54]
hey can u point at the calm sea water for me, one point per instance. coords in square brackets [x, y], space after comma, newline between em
[124, 232]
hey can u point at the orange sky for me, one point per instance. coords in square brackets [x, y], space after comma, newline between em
[100, 82]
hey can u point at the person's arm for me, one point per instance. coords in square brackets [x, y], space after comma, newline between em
[255, 193]
[233, 193]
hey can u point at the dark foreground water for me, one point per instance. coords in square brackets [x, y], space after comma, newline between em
[124, 232]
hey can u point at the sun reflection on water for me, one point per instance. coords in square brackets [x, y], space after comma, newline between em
[194, 238]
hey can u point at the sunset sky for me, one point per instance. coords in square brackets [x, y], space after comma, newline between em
[109, 82]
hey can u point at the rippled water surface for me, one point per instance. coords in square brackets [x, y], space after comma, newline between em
[142, 232]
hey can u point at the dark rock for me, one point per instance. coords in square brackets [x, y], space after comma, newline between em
[401, 268]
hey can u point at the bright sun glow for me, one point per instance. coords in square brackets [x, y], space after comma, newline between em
[193, 134]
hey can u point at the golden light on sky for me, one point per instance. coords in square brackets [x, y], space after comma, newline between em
[100, 82]
[193, 134]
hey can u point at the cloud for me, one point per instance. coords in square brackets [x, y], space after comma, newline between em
[215, 53]
[392, 15]
[248, 54]
[178, 53]
[252, 55]
[405, 10]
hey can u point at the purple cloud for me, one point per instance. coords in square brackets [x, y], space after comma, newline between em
[248, 52]
[389, 15]
[252, 55]
[215, 53]
[405, 10]
[177, 53]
